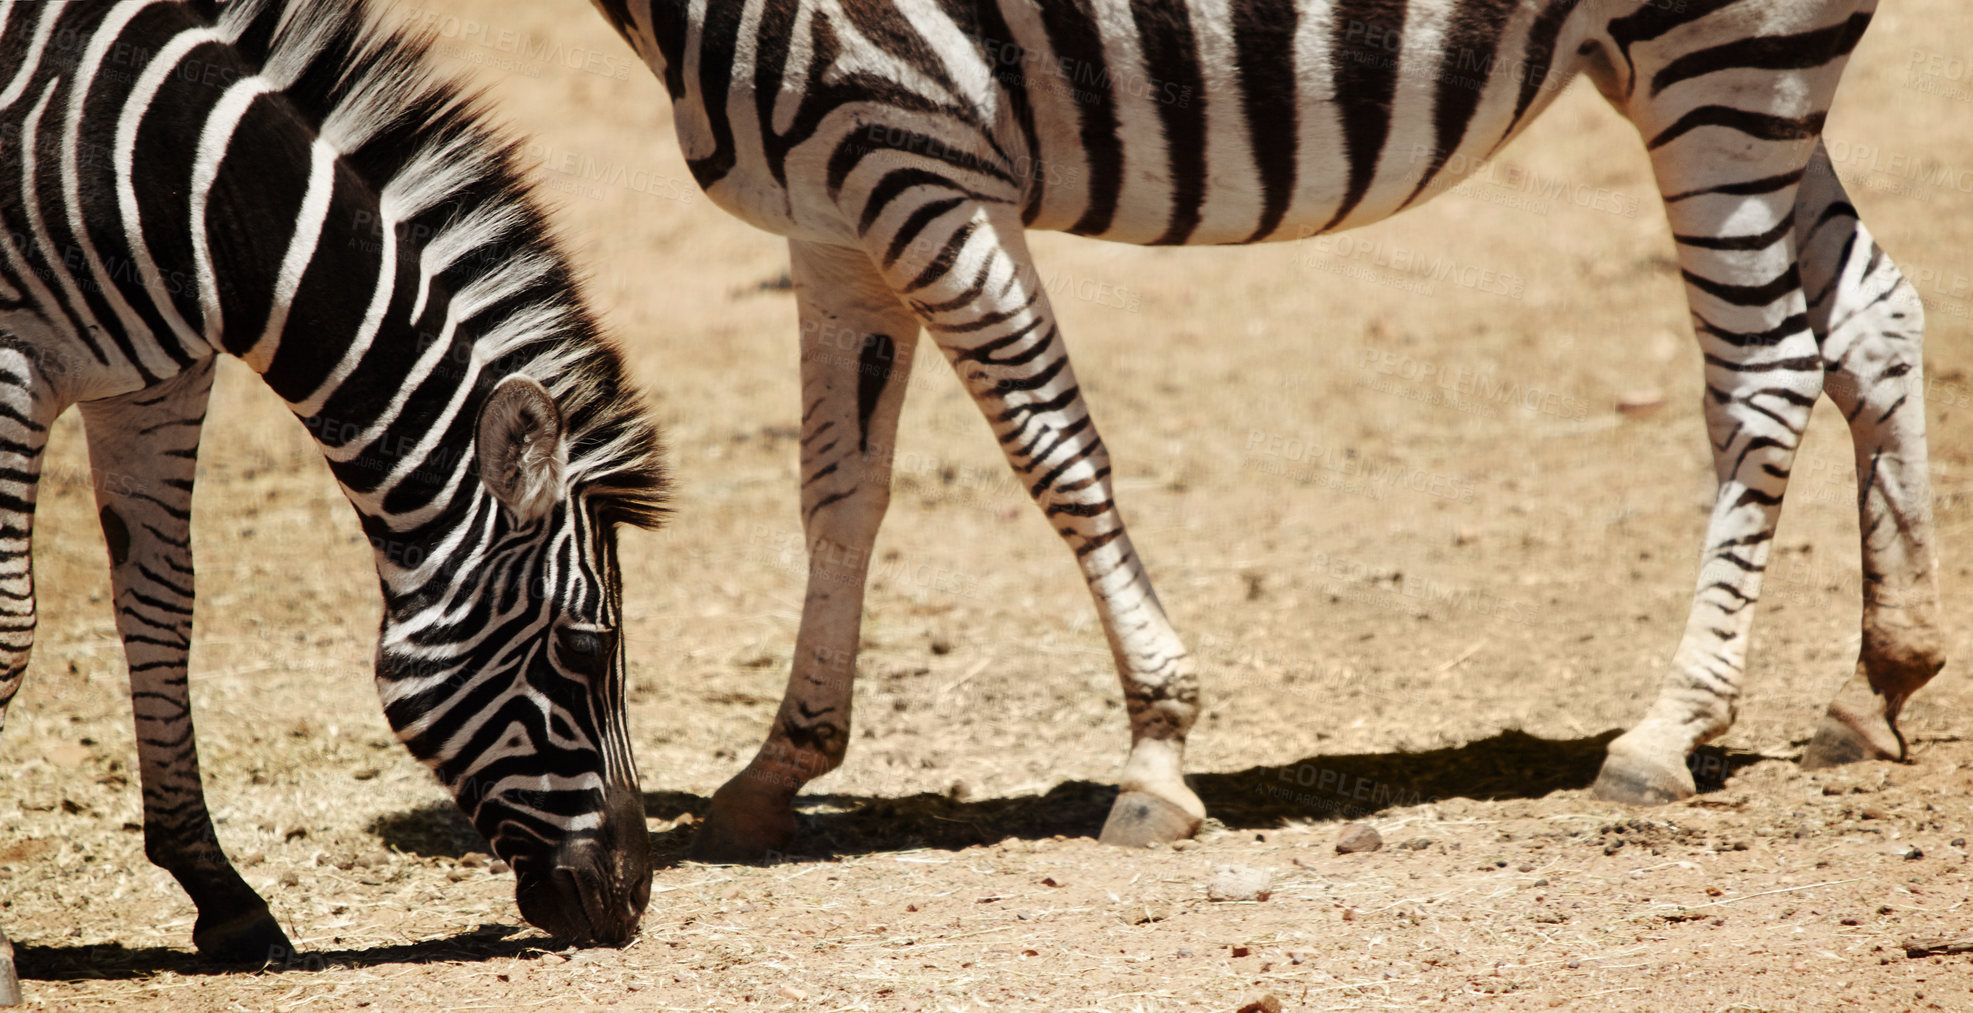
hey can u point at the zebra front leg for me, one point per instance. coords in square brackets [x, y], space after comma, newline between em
[26, 411]
[857, 342]
[1762, 376]
[971, 280]
[1872, 329]
[143, 452]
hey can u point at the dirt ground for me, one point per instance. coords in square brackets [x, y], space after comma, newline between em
[1428, 567]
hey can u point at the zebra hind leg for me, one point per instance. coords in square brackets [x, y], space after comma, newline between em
[857, 343]
[1762, 375]
[26, 411]
[1872, 330]
[143, 451]
[969, 276]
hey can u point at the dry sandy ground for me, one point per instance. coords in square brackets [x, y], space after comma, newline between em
[1417, 604]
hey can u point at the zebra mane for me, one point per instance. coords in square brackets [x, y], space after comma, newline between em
[432, 145]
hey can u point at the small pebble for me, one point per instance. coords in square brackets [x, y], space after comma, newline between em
[1264, 1002]
[791, 992]
[1184, 844]
[1238, 882]
[1358, 837]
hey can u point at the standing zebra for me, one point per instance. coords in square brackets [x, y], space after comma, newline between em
[903, 149]
[279, 180]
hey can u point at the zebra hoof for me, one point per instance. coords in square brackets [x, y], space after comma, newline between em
[1838, 742]
[1139, 820]
[737, 835]
[1632, 781]
[10, 982]
[249, 937]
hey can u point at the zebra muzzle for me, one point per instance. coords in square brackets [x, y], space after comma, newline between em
[591, 889]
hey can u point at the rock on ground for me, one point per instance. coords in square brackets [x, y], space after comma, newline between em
[1238, 882]
[1358, 837]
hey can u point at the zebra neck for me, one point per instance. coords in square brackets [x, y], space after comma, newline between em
[378, 327]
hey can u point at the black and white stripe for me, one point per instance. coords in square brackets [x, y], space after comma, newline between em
[903, 148]
[282, 181]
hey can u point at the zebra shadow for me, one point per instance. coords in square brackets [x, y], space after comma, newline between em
[1508, 765]
[114, 961]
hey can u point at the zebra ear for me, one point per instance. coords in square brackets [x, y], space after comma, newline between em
[521, 453]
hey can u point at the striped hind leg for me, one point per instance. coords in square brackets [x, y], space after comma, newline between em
[1763, 372]
[1872, 330]
[143, 452]
[857, 343]
[26, 410]
[1732, 134]
[969, 276]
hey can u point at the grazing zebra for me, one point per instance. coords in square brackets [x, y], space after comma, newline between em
[282, 181]
[904, 148]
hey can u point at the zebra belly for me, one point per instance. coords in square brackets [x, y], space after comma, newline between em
[73, 371]
[1203, 127]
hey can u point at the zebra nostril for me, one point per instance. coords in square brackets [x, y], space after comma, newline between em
[590, 887]
[576, 894]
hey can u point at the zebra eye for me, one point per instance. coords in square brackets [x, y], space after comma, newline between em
[586, 650]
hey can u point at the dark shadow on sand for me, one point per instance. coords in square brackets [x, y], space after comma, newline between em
[115, 961]
[1510, 764]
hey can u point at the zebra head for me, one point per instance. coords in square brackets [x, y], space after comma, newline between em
[502, 667]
